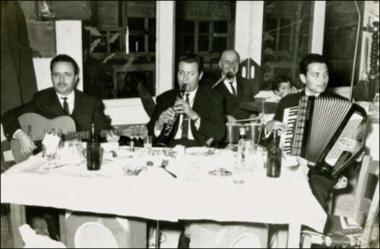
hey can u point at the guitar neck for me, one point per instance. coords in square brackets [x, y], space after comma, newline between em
[129, 132]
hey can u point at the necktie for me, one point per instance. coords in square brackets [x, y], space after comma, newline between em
[233, 88]
[185, 122]
[65, 106]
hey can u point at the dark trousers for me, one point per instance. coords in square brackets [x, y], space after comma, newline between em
[50, 215]
[321, 187]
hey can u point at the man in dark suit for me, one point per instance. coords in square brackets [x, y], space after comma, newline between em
[197, 114]
[61, 99]
[315, 75]
[234, 89]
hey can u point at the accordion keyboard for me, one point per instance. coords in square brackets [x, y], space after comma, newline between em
[290, 119]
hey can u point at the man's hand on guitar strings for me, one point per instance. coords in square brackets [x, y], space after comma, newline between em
[26, 143]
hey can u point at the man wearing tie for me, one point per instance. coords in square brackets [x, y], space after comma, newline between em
[198, 115]
[59, 100]
[234, 89]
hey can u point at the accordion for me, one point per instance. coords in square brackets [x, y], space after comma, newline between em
[315, 127]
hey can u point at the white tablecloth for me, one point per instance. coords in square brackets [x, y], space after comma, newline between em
[245, 196]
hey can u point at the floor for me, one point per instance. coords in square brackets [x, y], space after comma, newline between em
[6, 237]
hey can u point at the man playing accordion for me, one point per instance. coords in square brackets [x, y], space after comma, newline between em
[314, 74]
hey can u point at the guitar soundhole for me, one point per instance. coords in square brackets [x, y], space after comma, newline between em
[38, 144]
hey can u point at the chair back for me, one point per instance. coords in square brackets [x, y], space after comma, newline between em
[7, 158]
[357, 204]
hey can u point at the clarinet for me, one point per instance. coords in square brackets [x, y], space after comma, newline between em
[166, 131]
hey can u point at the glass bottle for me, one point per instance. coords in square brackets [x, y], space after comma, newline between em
[242, 143]
[274, 156]
[93, 151]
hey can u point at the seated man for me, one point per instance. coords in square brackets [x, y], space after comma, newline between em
[61, 99]
[196, 115]
[234, 89]
[314, 74]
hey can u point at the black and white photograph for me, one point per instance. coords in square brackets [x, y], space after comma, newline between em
[189, 124]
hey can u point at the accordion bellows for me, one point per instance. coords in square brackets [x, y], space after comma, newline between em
[316, 125]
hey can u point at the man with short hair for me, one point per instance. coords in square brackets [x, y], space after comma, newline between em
[197, 116]
[234, 89]
[61, 99]
[315, 75]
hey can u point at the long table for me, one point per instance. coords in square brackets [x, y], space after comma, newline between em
[246, 195]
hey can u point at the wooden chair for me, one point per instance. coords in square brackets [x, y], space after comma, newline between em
[354, 214]
[7, 159]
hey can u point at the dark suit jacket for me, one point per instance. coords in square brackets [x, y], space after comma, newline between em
[87, 109]
[208, 106]
[245, 92]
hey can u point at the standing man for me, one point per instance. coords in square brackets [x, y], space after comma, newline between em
[198, 115]
[234, 89]
[61, 99]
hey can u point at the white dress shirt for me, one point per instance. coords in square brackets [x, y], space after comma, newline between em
[70, 100]
[190, 136]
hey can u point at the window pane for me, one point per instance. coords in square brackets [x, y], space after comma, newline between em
[188, 27]
[136, 24]
[220, 27]
[152, 25]
[285, 38]
[219, 44]
[111, 67]
[204, 27]
[136, 43]
[203, 43]
[339, 40]
[188, 43]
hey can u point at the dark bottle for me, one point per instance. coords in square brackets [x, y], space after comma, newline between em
[93, 150]
[274, 156]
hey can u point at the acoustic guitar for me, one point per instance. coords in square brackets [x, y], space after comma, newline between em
[36, 125]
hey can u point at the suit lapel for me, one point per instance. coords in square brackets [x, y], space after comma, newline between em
[77, 101]
[197, 100]
[55, 105]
